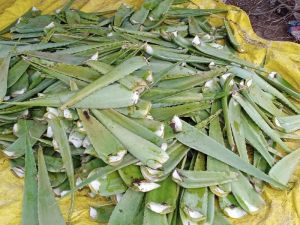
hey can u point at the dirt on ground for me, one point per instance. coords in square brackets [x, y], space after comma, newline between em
[269, 21]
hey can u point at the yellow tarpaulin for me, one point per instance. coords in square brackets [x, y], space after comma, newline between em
[282, 208]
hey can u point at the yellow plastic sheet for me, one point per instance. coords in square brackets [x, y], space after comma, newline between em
[282, 208]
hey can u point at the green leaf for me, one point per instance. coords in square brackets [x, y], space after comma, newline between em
[247, 197]
[166, 113]
[245, 74]
[197, 140]
[284, 169]
[48, 210]
[151, 218]
[3, 76]
[163, 199]
[234, 110]
[115, 74]
[198, 179]
[256, 117]
[215, 132]
[288, 123]
[256, 138]
[30, 196]
[112, 96]
[112, 184]
[60, 136]
[108, 148]
[16, 72]
[151, 155]
[127, 209]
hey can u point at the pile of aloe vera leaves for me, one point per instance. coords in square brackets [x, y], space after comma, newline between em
[150, 108]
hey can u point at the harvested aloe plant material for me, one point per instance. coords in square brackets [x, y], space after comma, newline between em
[149, 108]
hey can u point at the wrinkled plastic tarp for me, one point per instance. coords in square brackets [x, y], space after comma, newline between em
[283, 207]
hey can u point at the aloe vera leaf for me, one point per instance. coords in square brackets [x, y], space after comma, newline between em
[224, 101]
[30, 197]
[56, 75]
[4, 76]
[260, 97]
[45, 83]
[78, 72]
[245, 74]
[7, 137]
[56, 179]
[190, 81]
[60, 136]
[255, 116]
[108, 148]
[193, 204]
[230, 207]
[151, 217]
[123, 12]
[247, 197]
[283, 170]
[219, 219]
[166, 113]
[101, 214]
[155, 126]
[154, 94]
[134, 83]
[13, 109]
[101, 46]
[211, 209]
[163, 199]
[133, 178]
[182, 12]
[197, 179]
[112, 184]
[260, 163]
[152, 155]
[213, 164]
[133, 126]
[58, 57]
[48, 210]
[139, 16]
[194, 28]
[99, 66]
[159, 42]
[256, 138]
[288, 123]
[111, 96]
[157, 66]
[237, 130]
[20, 87]
[281, 84]
[16, 149]
[138, 111]
[16, 72]
[127, 209]
[39, 46]
[176, 152]
[72, 16]
[221, 54]
[188, 96]
[138, 33]
[177, 57]
[231, 37]
[54, 164]
[161, 74]
[162, 8]
[115, 74]
[197, 140]
[104, 171]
